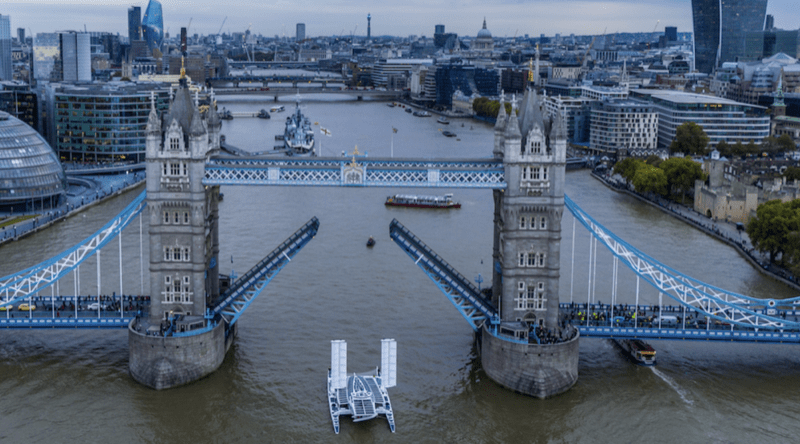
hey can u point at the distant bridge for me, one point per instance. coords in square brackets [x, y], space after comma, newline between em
[287, 91]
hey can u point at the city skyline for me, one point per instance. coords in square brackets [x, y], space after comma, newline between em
[505, 18]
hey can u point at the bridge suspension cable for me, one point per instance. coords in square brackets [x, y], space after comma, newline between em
[18, 286]
[723, 305]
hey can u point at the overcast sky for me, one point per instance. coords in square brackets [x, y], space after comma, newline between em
[398, 17]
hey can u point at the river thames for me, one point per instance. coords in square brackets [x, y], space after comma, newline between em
[73, 386]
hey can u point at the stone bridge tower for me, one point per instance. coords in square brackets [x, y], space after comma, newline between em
[177, 343]
[184, 241]
[527, 242]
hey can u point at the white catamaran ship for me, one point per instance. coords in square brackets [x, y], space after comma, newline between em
[362, 396]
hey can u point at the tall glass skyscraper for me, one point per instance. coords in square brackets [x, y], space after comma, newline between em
[6, 71]
[47, 57]
[134, 23]
[153, 25]
[720, 27]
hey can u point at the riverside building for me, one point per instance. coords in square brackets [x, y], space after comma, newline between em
[102, 122]
[628, 125]
[721, 119]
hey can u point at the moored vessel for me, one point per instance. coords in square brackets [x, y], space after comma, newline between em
[413, 201]
[443, 120]
[298, 137]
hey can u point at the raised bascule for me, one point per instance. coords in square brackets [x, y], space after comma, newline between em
[528, 338]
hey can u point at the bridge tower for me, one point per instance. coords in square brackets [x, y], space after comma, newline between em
[184, 244]
[526, 253]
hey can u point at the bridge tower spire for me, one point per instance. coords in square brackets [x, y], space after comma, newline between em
[527, 259]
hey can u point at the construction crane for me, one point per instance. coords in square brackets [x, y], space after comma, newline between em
[246, 43]
[654, 31]
[584, 70]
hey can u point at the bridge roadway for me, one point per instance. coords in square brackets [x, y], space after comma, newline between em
[624, 321]
[73, 312]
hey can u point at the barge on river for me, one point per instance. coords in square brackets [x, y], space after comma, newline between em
[638, 351]
[405, 200]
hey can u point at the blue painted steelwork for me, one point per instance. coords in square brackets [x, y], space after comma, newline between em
[467, 299]
[690, 334]
[716, 303]
[361, 172]
[236, 300]
[67, 323]
[18, 286]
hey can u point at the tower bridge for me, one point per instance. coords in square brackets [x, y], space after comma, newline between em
[190, 311]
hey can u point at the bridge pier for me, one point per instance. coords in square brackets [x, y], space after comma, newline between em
[541, 371]
[162, 362]
[359, 98]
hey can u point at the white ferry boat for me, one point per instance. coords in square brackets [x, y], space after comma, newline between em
[638, 351]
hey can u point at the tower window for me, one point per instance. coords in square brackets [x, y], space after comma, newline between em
[166, 217]
[186, 217]
[543, 223]
[522, 259]
[176, 218]
[522, 220]
[174, 143]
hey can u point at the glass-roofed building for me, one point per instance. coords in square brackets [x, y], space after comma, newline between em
[30, 173]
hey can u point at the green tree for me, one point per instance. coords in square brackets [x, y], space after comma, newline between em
[627, 168]
[771, 229]
[681, 174]
[690, 139]
[653, 160]
[785, 143]
[649, 179]
[792, 173]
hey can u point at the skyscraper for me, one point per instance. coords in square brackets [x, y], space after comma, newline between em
[301, 32]
[369, 25]
[6, 71]
[671, 33]
[134, 23]
[438, 29]
[21, 35]
[47, 57]
[720, 27]
[76, 56]
[153, 25]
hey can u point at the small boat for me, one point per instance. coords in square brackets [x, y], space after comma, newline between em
[225, 114]
[263, 114]
[443, 120]
[277, 109]
[371, 242]
[638, 351]
[448, 134]
[391, 105]
[422, 114]
[408, 110]
[404, 200]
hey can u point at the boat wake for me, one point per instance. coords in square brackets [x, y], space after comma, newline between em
[671, 382]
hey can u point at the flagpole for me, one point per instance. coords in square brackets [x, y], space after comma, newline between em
[392, 152]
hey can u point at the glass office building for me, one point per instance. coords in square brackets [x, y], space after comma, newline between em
[30, 174]
[103, 123]
[6, 71]
[47, 57]
[720, 27]
[134, 23]
[153, 25]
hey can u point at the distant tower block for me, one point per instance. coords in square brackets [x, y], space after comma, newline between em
[301, 32]
[369, 25]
